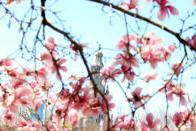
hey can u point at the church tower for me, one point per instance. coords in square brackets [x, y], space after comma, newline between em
[95, 70]
[97, 123]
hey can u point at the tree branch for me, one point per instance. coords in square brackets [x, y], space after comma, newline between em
[177, 35]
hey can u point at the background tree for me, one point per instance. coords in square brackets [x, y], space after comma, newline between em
[152, 66]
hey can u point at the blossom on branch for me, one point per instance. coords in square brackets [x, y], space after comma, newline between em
[130, 4]
[178, 91]
[192, 41]
[153, 51]
[137, 98]
[149, 77]
[125, 122]
[50, 44]
[150, 123]
[165, 9]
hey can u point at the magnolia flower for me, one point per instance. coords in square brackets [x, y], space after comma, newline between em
[137, 98]
[150, 123]
[126, 59]
[110, 73]
[73, 117]
[192, 41]
[130, 4]
[46, 57]
[50, 44]
[153, 51]
[28, 125]
[124, 122]
[149, 77]
[9, 117]
[165, 9]
[125, 44]
[6, 62]
[23, 95]
[42, 73]
[172, 47]
[128, 73]
[177, 90]
[110, 104]
[178, 118]
[59, 66]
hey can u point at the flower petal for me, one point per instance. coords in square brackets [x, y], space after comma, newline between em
[172, 10]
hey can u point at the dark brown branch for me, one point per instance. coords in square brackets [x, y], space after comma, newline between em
[177, 35]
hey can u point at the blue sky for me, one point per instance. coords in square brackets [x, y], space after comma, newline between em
[89, 24]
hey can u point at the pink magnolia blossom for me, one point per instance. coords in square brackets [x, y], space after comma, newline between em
[110, 73]
[153, 51]
[12, 73]
[28, 125]
[6, 62]
[61, 109]
[124, 122]
[7, 98]
[172, 47]
[51, 126]
[167, 52]
[110, 104]
[149, 77]
[9, 117]
[137, 99]
[55, 66]
[59, 66]
[130, 4]
[51, 98]
[178, 118]
[178, 91]
[37, 101]
[46, 57]
[93, 107]
[50, 44]
[165, 9]
[126, 61]
[42, 73]
[151, 39]
[23, 95]
[73, 117]
[192, 41]
[56, 122]
[64, 94]
[125, 42]
[18, 82]
[83, 99]
[145, 129]
[77, 84]
[128, 73]
[150, 123]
